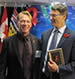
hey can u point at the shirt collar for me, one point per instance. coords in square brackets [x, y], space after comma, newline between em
[61, 30]
[21, 37]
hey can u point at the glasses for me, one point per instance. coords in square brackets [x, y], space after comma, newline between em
[54, 15]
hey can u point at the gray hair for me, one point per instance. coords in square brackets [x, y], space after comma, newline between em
[62, 8]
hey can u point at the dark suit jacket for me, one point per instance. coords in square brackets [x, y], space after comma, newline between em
[66, 71]
[11, 66]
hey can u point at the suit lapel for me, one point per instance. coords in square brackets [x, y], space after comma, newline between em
[33, 47]
[47, 38]
[17, 47]
[67, 31]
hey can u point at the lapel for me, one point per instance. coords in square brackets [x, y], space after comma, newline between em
[67, 31]
[47, 37]
[33, 43]
[17, 47]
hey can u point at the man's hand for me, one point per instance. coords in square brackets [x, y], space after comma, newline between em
[52, 66]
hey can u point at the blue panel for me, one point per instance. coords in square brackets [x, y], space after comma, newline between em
[44, 23]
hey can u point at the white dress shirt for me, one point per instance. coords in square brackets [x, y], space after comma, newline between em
[61, 31]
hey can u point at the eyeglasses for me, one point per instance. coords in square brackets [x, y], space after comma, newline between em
[54, 15]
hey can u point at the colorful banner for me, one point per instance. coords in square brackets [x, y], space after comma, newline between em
[44, 22]
[13, 23]
[41, 18]
[4, 25]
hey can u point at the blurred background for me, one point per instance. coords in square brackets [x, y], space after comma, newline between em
[39, 10]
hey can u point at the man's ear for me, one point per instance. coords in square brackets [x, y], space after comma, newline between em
[64, 16]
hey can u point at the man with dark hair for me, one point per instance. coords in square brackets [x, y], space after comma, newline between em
[17, 58]
[58, 37]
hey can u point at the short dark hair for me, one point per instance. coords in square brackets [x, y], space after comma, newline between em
[62, 8]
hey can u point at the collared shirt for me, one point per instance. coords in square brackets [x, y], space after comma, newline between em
[21, 43]
[61, 31]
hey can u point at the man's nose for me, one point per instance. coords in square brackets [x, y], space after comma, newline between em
[25, 22]
[51, 17]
